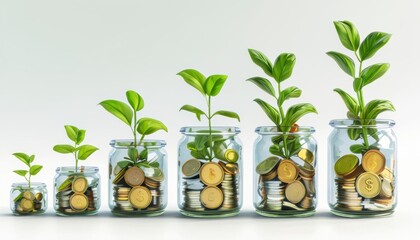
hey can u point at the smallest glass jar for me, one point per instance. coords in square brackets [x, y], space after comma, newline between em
[77, 192]
[28, 200]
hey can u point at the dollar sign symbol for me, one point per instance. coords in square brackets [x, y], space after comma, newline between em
[369, 184]
[372, 164]
[212, 173]
[287, 171]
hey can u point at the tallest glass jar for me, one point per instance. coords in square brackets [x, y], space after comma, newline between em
[362, 173]
[210, 172]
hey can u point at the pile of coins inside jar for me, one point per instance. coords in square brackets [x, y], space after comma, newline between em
[134, 191]
[368, 186]
[284, 185]
[211, 185]
[28, 202]
[75, 195]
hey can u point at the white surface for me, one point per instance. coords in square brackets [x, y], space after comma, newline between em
[58, 59]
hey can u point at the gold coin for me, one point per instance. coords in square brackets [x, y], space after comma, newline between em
[354, 174]
[65, 184]
[295, 192]
[287, 171]
[368, 185]
[211, 174]
[306, 171]
[306, 155]
[231, 155]
[39, 197]
[79, 185]
[140, 197]
[232, 168]
[134, 176]
[119, 176]
[346, 165]
[269, 176]
[79, 202]
[373, 161]
[387, 174]
[191, 167]
[211, 197]
[26, 205]
[28, 195]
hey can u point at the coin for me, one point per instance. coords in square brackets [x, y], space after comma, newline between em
[306, 171]
[346, 164]
[157, 175]
[117, 169]
[231, 155]
[211, 197]
[386, 189]
[28, 195]
[26, 205]
[267, 165]
[79, 202]
[79, 185]
[65, 184]
[295, 192]
[134, 176]
[38, 196]
[373, 161]
[140, 197]
[387, 174]
[191, 167]
[287, 171]
[119, 176]
[269, 176]
[368, 185]
[306, 155]
[353, 175]
[211, 174]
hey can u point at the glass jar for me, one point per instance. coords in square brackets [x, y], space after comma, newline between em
[77, 192]
[139, 187]
[28, 200]
[210, 172]
[285, 176]
[362, 168]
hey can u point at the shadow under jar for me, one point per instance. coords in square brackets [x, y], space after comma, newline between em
[25, 200]
[285, 172]
[138, 188]
[77, 192]
[210, 172]
[362, 168]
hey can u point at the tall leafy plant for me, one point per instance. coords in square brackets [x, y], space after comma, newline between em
[32, 169]
[361, 113]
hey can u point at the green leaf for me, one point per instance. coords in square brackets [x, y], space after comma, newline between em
[214, 84]
[372, 43]
[34, 170]
[21, 172]
[343, 61]
[373, 72]
[290, 92]
[194, 78]
[350, 102]
[271, 112]
[148, 126]
[71, 132]
[373, 132]
[294, 113]
[200, 141]
[135, 100]
[154, 164]
[23, 157]
[354, 133]
[228, 114]
[348, 34]
[357, 84]
[350, 115]
[283, 66]
[261, 60]
[375, 107]
[198, 154]
[357, 148]
[64, 148]
[31, 158]
[132, 153]
[143, 154]
[118, 109]
[124, 164]
[85, 151]
[80, 136]
[277, 150]
[264, 84]
[198, 112]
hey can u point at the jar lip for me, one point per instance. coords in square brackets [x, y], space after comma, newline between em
[145, 142]
[370, 123]
[25, 184]
[273, 130]
[201, 130]
[70, 169]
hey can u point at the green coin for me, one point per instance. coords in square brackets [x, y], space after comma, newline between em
[267, 165]
[157, 175]
[66, 184]
[231, 155]
[346, 164]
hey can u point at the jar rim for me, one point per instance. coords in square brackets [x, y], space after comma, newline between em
[145, 142]
[70, 169]
[26, 185]
[201, 130]
[273, 130]
[369, 123]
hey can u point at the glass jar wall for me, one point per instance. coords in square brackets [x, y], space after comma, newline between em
[28, 200]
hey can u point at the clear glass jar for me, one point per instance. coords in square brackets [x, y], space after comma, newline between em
[77, 192]
[210, 175]
[25, 200]
[138, 189]
[362, 168]
[285, 179]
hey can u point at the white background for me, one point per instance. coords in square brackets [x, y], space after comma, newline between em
[59, 59]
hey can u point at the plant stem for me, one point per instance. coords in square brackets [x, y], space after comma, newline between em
[210, 131]
[75, 157]
[362, 104]
[281, 121]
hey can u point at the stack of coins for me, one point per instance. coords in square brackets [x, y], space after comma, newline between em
[230, 186]
[368, 186]
[28, 202]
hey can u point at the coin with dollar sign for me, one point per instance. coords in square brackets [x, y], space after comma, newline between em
[368, 185]
[287, 171]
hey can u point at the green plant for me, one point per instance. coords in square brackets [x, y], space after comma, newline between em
[80, 152]
[143, 126]
[204, 145]
[32, 169]
[357, 110]
[285, 121]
